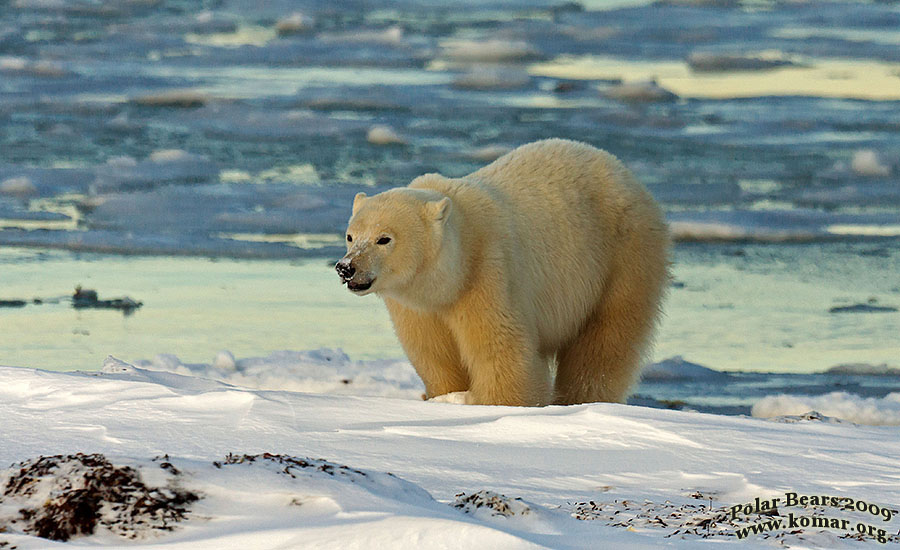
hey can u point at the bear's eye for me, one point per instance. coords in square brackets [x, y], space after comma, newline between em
[383, 240]
[349, 238]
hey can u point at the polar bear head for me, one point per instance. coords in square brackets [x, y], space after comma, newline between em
[393, 238]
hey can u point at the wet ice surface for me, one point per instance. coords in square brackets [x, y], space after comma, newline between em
[159, 127]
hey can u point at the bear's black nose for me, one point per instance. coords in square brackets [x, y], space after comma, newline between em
[345, 270]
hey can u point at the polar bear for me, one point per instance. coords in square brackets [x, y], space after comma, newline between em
[552, 255]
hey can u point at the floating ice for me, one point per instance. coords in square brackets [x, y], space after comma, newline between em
[488, 51]
[391, 36]
[639, 92]
[866, 162]
[489, 153]
[296, 23]
[384, 135]
[18, 187]
[23, 66]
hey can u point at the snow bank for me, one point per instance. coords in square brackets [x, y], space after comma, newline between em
[316, 371]
[278, 469]
[873, 411]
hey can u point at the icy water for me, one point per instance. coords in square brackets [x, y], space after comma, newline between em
[139, 139]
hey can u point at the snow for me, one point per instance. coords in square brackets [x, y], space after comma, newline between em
[874, 411]
[276, 469]
[317, 371]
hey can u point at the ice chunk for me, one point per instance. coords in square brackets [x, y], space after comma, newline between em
[112, 365]
[296, 23]
[488, 51]
[866, 162]
[489, 153]
[639, 92]
[23, 66]
[391, 36]
[382, 134]
[18, 187]
[224, 360]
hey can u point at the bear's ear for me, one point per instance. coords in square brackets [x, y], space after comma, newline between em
[440, 209]
[357, 201]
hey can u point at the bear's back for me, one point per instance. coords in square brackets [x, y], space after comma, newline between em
[565, 205]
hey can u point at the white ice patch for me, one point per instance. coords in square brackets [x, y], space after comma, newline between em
[488, 51]
[384, 135]
[639, 92]
[884, 411]
[866, 162]
[18, 187]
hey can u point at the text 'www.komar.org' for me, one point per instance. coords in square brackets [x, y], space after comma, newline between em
[816, 521]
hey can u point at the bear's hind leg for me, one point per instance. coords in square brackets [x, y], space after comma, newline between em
[604, 359]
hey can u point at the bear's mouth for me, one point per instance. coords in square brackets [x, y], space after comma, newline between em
[360, 287]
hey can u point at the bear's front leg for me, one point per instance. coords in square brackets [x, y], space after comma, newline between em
[499, 353]
[431, 349]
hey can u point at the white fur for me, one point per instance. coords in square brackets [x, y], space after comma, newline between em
[554, 252]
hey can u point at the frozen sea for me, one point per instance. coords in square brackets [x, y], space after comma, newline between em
[200, 157]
